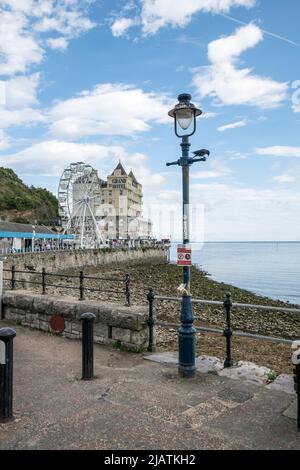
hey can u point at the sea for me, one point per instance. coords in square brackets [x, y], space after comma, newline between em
[271, 269]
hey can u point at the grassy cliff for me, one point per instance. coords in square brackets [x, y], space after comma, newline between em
[20, 203]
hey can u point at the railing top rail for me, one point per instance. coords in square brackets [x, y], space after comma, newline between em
[270, 339]
[239, 305]
[30, 271]
[268, 307]
[114, 279]
[71, 276]
[161, 297]
[67, 276]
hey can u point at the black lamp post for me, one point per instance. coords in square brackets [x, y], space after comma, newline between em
[185, 114]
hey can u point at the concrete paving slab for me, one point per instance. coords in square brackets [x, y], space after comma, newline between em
[291, 411]
[207, 364]
[284, 383]
[163, 358]
[247, 371]
[204, 364]
[259, 423]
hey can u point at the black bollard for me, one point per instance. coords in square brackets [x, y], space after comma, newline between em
[87, 345]
[13, 278]
[43, 281]
[296, 369]
[81, 285]
[127, 288]
[151, 322]
[6, 374]
[228, 331]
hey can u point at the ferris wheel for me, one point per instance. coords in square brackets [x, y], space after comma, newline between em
[79, 196]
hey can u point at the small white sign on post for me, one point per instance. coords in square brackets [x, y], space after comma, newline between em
[2, 352]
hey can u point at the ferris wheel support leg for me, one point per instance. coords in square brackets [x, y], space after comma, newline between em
[98, 233]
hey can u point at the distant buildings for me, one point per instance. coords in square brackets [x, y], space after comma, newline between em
[116, 205]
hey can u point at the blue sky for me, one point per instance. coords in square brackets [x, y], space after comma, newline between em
[84, 80]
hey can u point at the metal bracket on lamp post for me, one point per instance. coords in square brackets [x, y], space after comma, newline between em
[198, 157]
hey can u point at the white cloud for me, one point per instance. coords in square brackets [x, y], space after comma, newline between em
[23, 6]
[285, 178]
[58, 43]
[121, 25]
[29, 26]
[229, 212]
[208, 114]
[67, 18]
[107, 109]
[18, 48]
[156, 14]
[110, 109]
[21, 91]
[50, 158]
[217, 170]
[4, 141]
[244, 213]
[2, 93]
[279, 151]
[234, 125]
[17, 117]
[229, 85]
[208, 174]
[296, 96]
[19, 99]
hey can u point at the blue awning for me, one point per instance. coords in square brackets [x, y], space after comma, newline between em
[28, 235]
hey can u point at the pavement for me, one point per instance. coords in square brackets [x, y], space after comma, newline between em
[134, 404]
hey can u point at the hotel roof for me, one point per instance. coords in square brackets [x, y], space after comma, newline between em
[119, 167]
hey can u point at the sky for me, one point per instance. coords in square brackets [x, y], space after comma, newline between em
[93, 81]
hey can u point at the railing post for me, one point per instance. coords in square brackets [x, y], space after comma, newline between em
[43, 281]
[81, 285]
[296, 369]
[87, 345]
[6, 374]
[127, 288]
[228, 331]
[13, 277]
[151, 322]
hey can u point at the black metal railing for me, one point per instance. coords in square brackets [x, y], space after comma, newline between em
[227, 332]
[146, 245]
[116, 285]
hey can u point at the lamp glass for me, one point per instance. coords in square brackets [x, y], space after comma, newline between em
[184, 117]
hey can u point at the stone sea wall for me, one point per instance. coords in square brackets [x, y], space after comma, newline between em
[65, 260]
[113, 324]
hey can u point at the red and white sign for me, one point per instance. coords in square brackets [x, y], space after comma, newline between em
[184, 255]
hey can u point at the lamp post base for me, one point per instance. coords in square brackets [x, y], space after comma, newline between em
[186, 340]
[228, 363]
[187, 372]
